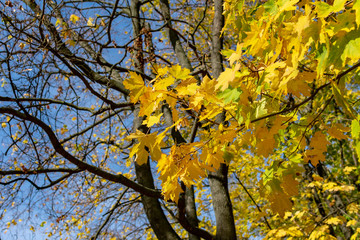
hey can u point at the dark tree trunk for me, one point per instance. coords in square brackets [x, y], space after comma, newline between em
[225, 226]
[152, 207]
[185, 63]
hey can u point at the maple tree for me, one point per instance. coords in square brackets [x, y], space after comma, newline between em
[223, 119]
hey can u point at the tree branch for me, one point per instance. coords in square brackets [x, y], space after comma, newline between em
[52, 183]
[39, 171]
[119, 178]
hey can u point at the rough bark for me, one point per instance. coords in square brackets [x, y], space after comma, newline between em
[173, 37]
[190, 209]
[152, 207]
[225, 226]
[185, 63]
[186, 204]
[153, 210]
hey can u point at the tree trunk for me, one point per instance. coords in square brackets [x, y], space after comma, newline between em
[152, 207]
[225, 226]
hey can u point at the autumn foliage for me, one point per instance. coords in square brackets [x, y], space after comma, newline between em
[216, 120]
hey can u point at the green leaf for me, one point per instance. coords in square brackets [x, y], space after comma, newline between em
[341, 101]
[268, 175]
[230, 95]
[322, 59]
[227, 52]
[287, 5]
[345, 23]
[356, 7]
[357, 148]
[260, 109]
[338, 5]
[228, 156]
[323, 9]
[355, 129]
[337, 49]
[351, 51]
[271, 7]
[240, 5]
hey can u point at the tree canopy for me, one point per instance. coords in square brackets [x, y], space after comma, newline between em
[210, 119]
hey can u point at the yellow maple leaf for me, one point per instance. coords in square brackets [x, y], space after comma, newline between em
[321, 233]
[330, 186]
[182, 163]
[162, 83]
[348, 170]
[302, 23]
[272, 73]
[155, 142]
[179, 73]
[353, 208]
[136, 86]
[318, 143]
[317, 178]
[290, 185]
[171, 190]
[324, 9]
[71, 42]
[308, 77]
[295, 232]
[152, 120]
[281, 233]
[140, 153]
[351, 223]
[74, 18]
[211, 159]
[356, 7]
[265, 141]
[226, 78]
[205, 93]
[90, 22]
[235, 56]
[246, 96]
[265, 145]
[169, 180]
[280, 202]
[337, 131]
[187, 90]
[192, 172]
[277, 124]
[135, 135]
[211, 112]
[208, 85]
[334, 221]
[147, 143]
[287, 5]
[298, 87]
[149, 101]
[314, 157]
[346, 188]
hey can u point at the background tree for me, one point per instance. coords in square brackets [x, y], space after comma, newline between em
[180, 119]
